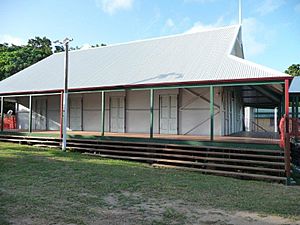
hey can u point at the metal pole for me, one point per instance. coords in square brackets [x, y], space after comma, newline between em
[275, 120]
[293, 107]
[282, 106]
[240, 12]
[65, 103]
[61, 115]
[30, 115]
[287, 100]
[2, 113]
[102, 113]
[287, 136]
[151, 112]
[279, 112]
[297, 107]
[211, 112]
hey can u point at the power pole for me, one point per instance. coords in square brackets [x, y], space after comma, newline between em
[65, 42]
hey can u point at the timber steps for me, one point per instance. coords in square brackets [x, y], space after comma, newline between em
[248, 163]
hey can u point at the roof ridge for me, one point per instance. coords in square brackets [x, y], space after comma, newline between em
[157, 38]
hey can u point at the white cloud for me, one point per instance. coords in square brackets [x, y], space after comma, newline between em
[6, 38]
[199, 26]
[170, 23]
[172, 26]
[111, 6]
[252, 29]
[268, 6]
[297, 8]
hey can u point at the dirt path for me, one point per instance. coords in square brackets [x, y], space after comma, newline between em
[126, 209]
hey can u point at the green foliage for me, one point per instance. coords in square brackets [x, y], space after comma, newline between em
[293, 70]
[59, 48]
[16, 58]
[97, 45]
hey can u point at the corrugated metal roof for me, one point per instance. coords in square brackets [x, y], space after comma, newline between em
[202, 56]
[295, 86]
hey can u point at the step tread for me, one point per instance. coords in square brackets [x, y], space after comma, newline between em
[29, 137]
[195, 169]
[182, 151]
[227, 172]
[175, 145]
[26, 140]
[182, 156]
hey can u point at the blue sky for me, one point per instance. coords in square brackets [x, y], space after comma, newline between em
[271, 28]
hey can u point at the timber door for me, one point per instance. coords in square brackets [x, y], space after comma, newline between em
[40, 114]
[117, 114]
[168, 114]
[75, 113]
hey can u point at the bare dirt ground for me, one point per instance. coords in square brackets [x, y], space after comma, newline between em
[131, 209]
[127, 209]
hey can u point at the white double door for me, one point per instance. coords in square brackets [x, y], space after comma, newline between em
[117, 114]
[168, 114]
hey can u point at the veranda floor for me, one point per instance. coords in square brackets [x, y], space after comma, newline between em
[241, 137]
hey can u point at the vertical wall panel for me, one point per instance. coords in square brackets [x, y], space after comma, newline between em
[194, 112]
[53, 112]
[91, 112]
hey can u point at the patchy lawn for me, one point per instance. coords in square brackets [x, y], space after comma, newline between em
[43, 186]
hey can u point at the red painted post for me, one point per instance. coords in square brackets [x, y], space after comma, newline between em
[61, 114]
[287, 149]
[286, 97]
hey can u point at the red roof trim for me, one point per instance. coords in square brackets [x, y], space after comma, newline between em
[169, 84]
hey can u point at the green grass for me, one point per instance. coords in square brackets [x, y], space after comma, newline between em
[40, 186]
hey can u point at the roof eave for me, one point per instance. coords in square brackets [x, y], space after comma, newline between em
[156, 85]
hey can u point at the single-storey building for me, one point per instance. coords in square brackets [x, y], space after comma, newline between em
[187, 84]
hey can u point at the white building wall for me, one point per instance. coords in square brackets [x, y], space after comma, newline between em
[193, 111]
[232, 111]
[22, 113]
[39, 113]
[91, 111]
[50, 113]
[53, 112]
[138, 112]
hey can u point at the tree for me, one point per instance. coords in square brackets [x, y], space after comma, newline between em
[97, 45]
[293, 70]
[60, 48]
[16, 58]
